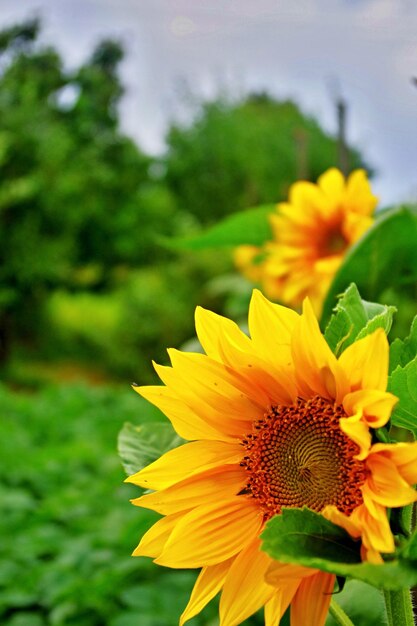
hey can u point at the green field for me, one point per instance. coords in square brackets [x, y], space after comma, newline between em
[66, 524]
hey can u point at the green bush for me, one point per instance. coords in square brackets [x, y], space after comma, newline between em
[148, 310]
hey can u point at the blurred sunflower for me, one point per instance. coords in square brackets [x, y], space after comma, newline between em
[312, 233]
[275, 420]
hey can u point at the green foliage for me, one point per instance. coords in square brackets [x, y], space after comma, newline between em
[403, 384]
[121, 330]
[240, 154]
[354, 318]
[306, 538]
[402, 381]
[384, 257]
[248, 227]
[73, 187]
[404, 351]
[66, 523]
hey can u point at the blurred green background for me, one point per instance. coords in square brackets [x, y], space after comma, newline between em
[90, 294]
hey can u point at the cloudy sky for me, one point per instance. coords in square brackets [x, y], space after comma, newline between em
[311, 50]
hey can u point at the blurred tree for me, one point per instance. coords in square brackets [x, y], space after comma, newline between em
[239, 154]
[76, 197]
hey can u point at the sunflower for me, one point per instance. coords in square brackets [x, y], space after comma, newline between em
[312, 233]
[272, 420]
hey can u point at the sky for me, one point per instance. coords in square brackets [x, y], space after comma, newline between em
[311, 50]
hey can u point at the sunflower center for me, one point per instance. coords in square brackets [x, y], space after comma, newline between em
[298, 456]
[334, 242]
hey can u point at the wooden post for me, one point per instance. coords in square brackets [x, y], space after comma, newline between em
[342, 149]
[301, 153]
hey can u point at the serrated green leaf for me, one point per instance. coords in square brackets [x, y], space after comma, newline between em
[250, 227]
[354, 318]
[382, 320]
[404, 351]
[303, 537]
[403, 384]
[140, 445]
[385, 256]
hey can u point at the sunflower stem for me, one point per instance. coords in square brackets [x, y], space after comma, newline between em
[339, 615]
[399, 607]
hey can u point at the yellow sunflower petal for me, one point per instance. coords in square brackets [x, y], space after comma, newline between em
[374, 405]
[219, 483]
[374, 509]
[307, 197]
[183, 419]
[328, 266]
[279, 573]
[356, 225]
[216, 404]
[212, 533]
[403, 455]
[376, 531]
[245, 590]
[207, 585]
[280, 601]
[259, 379]
[386, 484]
[316, 368]
[185, 461]
[246, 259]
[359, 196]
[216, 385]
[332, 183]
[155, 538]
[271, 327]
[311, 602]
[331, 513]
[371, 556]
[366, 362]
[212, 329]
[357, 429]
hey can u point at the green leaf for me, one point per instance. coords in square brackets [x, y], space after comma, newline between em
[403, 384]
[250, 227]
[385, 256]
[140, 445]
[404, 351]
[354, 318]
[303, 537]
[301, 532]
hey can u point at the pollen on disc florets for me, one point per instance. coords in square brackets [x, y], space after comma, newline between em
[298, 456]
